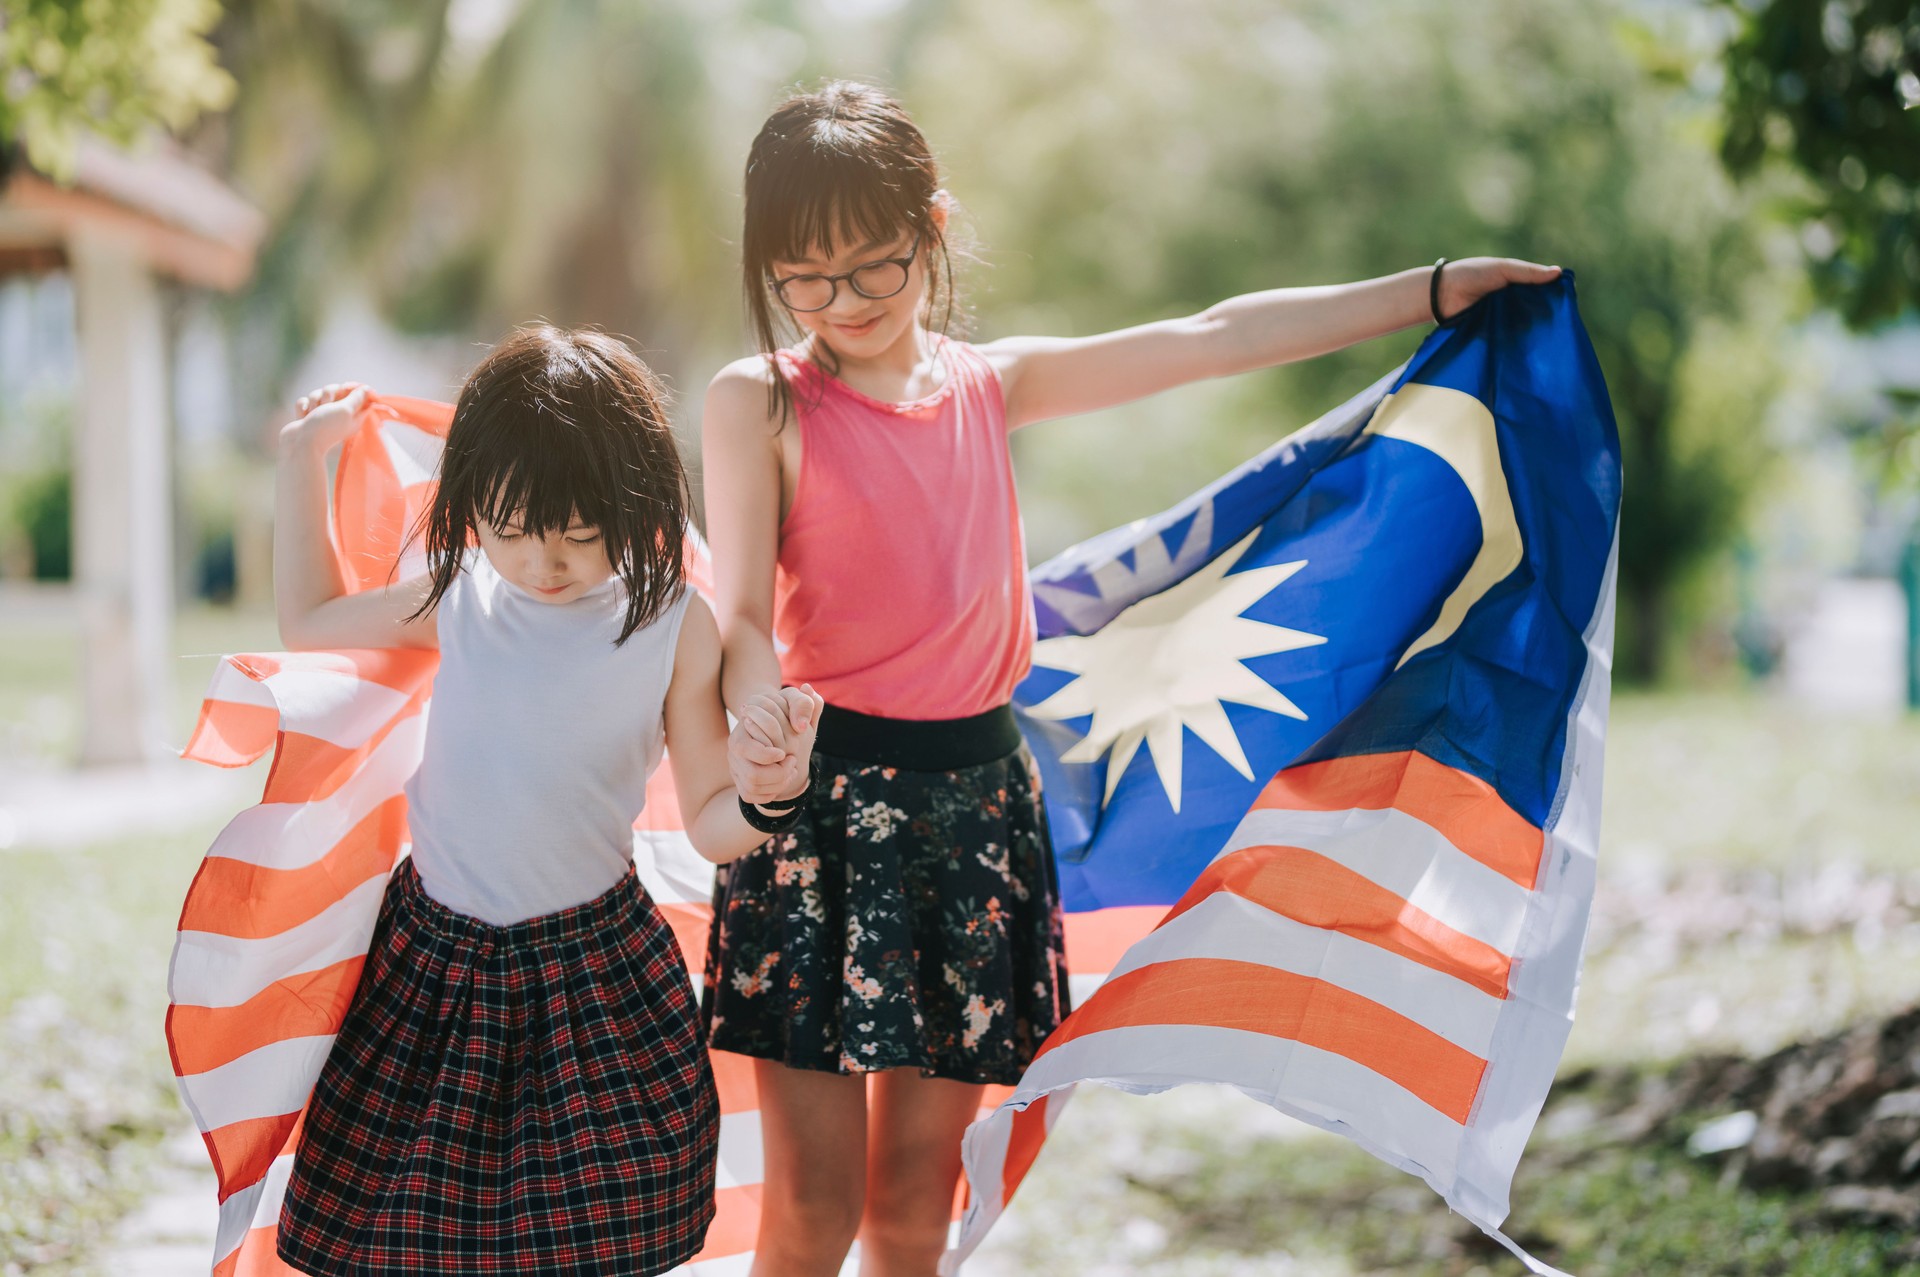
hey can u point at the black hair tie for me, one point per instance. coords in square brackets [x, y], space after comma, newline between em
[1433, 292]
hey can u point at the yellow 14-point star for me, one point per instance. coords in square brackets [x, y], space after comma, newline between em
[1170, 662]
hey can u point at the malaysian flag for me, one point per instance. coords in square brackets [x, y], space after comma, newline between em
[1321, 749]
[1334, 727]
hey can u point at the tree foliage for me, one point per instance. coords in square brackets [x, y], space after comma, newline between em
[1832, 87]
[117, 68]
[1121, 160]
[1134, 161]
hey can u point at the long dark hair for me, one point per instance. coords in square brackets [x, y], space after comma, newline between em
[554, 426]
[844, 162]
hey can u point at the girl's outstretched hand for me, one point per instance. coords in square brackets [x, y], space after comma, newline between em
[326, 416]
[1466, 281]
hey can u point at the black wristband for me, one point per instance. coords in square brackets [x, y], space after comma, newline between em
[1433, 292]
[785, 814]
[769, 824]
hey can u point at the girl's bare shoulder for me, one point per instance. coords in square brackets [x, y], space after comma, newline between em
[739, 396]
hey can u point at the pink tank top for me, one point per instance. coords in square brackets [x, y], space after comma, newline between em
[901, 588]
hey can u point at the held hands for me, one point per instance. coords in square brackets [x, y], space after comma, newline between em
[326, 416]
[1466, 281]
[772, 743]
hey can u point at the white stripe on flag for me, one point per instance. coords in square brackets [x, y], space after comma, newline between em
[1081, 985]
[1533, 1032]
[742, 1157]
[413, 453]
[1232, 927]
[670, 869]
[1406, 856]
[242, 1212]
[268, 1081]
[336, 706]
[212, 970]
[230, 684]
[1318, 1087]
[295, 835]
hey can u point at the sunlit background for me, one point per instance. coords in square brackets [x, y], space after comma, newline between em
[211, 207]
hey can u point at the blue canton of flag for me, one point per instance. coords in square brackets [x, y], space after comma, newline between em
[1329, 733]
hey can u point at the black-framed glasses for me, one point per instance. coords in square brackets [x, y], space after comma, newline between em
[875, 281]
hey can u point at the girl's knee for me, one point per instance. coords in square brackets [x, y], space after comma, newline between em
[811, 1212]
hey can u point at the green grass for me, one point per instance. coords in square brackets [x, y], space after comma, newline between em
[84, 941]
[40, 686]
[1751, 781]
[1201, 1183]
[85, 936]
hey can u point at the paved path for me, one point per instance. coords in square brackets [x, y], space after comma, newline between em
[44, 807]
[171, 1235]
[1847, 656]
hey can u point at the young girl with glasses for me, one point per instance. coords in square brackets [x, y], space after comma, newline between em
[901, 947]
[519, 1084]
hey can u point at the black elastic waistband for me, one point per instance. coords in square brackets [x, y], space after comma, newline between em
[918, 745]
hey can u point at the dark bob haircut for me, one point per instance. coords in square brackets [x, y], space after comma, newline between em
[554, 426]
[844, 163]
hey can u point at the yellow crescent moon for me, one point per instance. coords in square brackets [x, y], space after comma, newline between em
[1457, 428]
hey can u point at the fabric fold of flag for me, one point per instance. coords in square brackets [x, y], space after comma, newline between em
[1333, 728]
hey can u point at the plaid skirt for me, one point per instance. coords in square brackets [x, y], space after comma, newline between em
[509, 1099]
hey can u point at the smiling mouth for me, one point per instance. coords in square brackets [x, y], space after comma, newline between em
[551, 589]
[861, 327]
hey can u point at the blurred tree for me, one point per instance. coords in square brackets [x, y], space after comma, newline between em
[472, 164]
[1144, 160]
[1831, 87]
[113, 67]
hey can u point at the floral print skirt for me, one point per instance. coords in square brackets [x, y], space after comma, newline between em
[911, 920]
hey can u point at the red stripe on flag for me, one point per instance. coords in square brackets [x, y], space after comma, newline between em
[1097, 940]
[1219, 993]
[1023, 1145]
[690, 925]
[307, 769]
[1308, 887]
[307, 1005]
[400, 669]
[243, 1152]
[231, 733]
[1465, 809]
[249, 902]
[257, 1258]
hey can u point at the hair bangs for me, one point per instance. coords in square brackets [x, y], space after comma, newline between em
[832, 201]
[545, 478]
[561, 427]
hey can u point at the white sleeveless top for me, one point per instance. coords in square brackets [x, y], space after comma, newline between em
[539, 742]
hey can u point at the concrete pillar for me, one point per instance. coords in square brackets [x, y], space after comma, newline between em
[123, 529]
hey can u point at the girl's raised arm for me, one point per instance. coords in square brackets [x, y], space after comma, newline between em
[314, 608]
[740, 476]
[1048, 377]
[698, 740]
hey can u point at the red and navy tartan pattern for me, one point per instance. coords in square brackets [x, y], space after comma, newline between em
[517, 1099]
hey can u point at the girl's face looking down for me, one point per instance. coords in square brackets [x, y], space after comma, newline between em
[556, 568]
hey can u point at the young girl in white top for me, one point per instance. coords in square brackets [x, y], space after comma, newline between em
[520, 1085]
